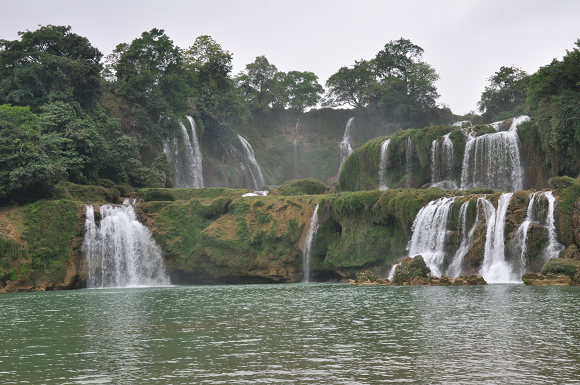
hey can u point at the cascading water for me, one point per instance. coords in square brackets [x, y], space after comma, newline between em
[442, 160]
[408, 161]
[521, 235]
[554, 247]
[120, 251]
[429, 231]
[185, 158]
[295, 153]
[455, 268]
[310, 244]
[345, 147]
[493, 160]
[252, 164]
[495, 269]
[383, 165]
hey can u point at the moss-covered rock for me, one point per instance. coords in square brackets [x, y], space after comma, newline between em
[306, 186]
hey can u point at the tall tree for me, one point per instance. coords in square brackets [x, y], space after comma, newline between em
[47, 65]
[506, 94]
[396, 80]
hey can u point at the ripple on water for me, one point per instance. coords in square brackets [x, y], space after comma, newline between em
[303, 334]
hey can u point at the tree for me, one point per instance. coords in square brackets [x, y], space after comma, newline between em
[301, 89]
[351, 85]
[150, 72]
[506, 94]
[47, 65]
[258, 83]
[30, 161]
[395, 80]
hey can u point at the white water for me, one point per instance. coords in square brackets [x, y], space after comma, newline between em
[554, 247]
[442, 160]
[120, 251]
[495, 269]
[408, 161]
[455, 268]
[310, 244]
[392, 271]
[185, 157]
[493, 160]
[383, 165]
[295, 152]
[429, 231]
[256, 193]
[345, 147]
[521, 236]
[252, 164]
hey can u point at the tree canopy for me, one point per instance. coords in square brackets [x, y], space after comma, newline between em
[395, 80]
[47, 65]
[505, 96]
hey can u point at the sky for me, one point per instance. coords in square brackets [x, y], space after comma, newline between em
[465, 41]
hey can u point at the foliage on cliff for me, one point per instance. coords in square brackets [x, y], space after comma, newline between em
[554, 105]
[42, 252]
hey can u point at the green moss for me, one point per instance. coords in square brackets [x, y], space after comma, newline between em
[50, 227]
[410, 269]
[86, 194]
[562, 266]
[360, 171]
[307, 186]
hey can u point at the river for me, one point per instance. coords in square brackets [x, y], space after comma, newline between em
[301, 334]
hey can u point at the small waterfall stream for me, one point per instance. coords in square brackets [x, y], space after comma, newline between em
[554, 247]
[185, 157]
[310, 244]
[455, 268]
[120, 251]
[408, 161]
[383, 165]
[252, 164]
[442, 160]
[345, 147]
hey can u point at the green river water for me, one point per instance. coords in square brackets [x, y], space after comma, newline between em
[297, 334]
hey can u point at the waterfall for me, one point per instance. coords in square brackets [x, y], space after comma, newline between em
[310, 244]
[442, 160]
[197, 164]
[392, 271]
[521, 235]
[455, 268]
[185, 158]
[493, 160]
[295, 153]
[554, 247]
[345, 148]
[383, 165]
[495, 268]
[409, 161]
[120, 251]
[252, 164]
[429, 231]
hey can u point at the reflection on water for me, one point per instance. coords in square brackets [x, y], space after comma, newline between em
[307, 333]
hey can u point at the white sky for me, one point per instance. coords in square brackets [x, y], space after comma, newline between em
[466, 41]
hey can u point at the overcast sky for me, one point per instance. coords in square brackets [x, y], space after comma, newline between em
[466, 41]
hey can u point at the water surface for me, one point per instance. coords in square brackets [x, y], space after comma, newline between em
[302, 334]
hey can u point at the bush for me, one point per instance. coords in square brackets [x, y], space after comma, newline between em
[561, 266]
[308, 186]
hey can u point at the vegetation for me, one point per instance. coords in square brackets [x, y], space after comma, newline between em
[395, 81]
[505, 96]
